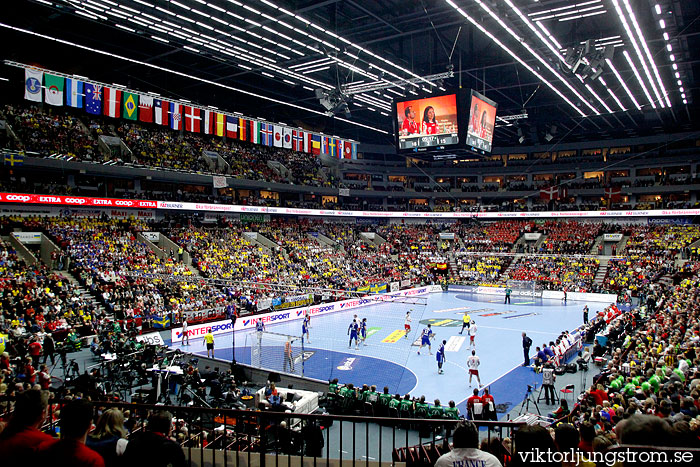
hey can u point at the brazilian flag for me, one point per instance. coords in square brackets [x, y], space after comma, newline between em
[131, 106]
[161, 322]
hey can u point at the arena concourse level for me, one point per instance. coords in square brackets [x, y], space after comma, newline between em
[290, 232]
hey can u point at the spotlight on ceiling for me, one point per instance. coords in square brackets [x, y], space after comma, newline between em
[334, 101]
[551, 132]
[587, 61]
[521, 136]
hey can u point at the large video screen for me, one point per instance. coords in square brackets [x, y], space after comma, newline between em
[427, 123]
[482, 122]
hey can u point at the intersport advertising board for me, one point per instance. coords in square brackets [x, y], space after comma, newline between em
[59, 200]
[248, 322]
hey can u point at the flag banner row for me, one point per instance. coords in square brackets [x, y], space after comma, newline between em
[117, 102]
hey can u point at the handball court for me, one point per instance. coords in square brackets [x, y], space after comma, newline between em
[390, 359]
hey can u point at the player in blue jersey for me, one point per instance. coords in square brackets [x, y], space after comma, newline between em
[363, 330]
[305, 330]
[440, 356]
[259, 328]
[352, 331]
[425, 337]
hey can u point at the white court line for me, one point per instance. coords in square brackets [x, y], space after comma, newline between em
[514, 329]
[490, 383]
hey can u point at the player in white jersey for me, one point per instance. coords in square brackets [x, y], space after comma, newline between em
[473, 363]
[425, 337]
[472, 334]
[407, 324]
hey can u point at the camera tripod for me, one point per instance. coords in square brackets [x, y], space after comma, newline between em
[529, 399]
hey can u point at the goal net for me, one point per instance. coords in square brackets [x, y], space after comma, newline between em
[527, 288]
[282, 353]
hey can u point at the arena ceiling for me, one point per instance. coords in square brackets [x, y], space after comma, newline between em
[513, 51]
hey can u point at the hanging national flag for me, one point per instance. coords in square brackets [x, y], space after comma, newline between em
[53, 95]
[175, 116]
[298, 140]
[131, 106]
[192, 119]
[113, 99]
[324, 145]
[614, 193]
[340, 149]
[266, 134]
[308, 142]
[278, 136]
[220, 124]
[332, 147]
[316, 144]
[93, 98]
[74, 93]
[14, 159]
[160, 111]
[354, 150]
[347, 150]
[208, 123]
[146, 108]
[255, 133]
[231, 127]
[242, 129]
[549, 193]
[287, 137]
[32, 84]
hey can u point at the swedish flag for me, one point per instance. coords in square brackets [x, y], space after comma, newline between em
[14, 159]
[161, 322]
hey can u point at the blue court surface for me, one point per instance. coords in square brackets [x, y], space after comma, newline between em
[390, 359]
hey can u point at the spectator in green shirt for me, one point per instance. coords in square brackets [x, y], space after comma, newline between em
[406, 407]
[436, 411]
[395, 401]
[333, 387]
[452, 411]
[421, 408]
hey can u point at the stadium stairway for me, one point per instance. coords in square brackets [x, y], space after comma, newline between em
[98, 304]
[622, 244]
[596, 244]
[602, 271]
[453, 271]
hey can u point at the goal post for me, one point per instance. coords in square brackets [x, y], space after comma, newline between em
[282, 353]
[527, 288]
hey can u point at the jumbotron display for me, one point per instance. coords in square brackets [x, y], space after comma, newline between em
[427, 123]
[482, 121]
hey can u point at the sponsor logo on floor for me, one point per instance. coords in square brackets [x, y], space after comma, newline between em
[447, 322]
[347, 364]
[454, 343]
[521, 316]
[394, 336]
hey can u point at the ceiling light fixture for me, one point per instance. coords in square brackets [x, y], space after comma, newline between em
[622, 83]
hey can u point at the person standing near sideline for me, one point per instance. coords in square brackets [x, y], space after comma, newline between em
[288, 357]
[548, 379]
[508, 292]
[585, 314]
[407, 324]
[185, 336]
[527, 343]
[209, 340]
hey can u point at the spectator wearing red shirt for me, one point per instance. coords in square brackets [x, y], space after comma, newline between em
[21, 438]
[29, 372]
[410, 125]
[489, 405]
[35, 351]
[70, 450]
[473, 399]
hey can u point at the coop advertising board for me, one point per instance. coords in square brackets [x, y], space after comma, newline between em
[82, 201]
[249, 322]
